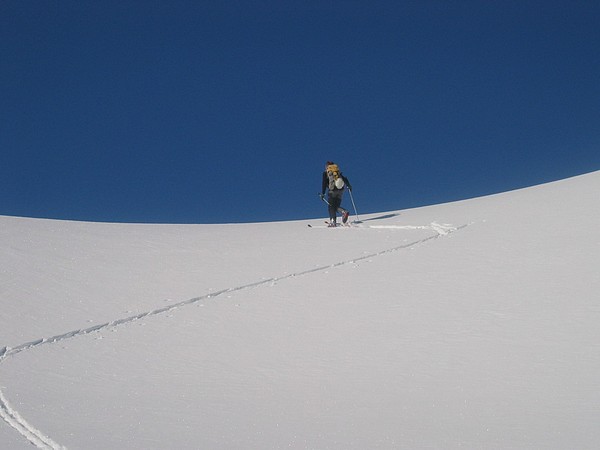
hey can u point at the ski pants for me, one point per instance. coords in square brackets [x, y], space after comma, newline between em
[334, 198]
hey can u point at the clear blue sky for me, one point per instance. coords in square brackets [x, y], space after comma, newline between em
[226, 111]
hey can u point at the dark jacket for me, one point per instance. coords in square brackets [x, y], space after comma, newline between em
[325, 184]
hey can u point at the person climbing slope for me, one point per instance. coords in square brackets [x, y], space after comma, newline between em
[334, 182]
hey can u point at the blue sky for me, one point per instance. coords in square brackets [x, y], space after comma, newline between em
[226, 111]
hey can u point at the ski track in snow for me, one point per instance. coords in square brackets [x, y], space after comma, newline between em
[37, 438]
[34, 436]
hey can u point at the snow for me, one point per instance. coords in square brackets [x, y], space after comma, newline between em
[464, 325]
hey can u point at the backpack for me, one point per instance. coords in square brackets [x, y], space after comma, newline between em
[335, 177]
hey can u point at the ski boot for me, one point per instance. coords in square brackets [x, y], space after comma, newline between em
[345, 216]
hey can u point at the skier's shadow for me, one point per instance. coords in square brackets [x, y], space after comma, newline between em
[386, 216]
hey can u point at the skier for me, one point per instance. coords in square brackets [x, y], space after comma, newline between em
[335, 182]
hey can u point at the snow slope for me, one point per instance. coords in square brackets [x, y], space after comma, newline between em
[465, 325]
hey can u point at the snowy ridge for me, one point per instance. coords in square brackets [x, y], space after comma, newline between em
[37, 438]
[487, 339]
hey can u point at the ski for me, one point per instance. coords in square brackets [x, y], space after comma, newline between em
[339, 225]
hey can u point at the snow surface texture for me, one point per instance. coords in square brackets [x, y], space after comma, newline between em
[465, 325]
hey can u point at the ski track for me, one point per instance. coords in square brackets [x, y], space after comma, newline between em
[37, 438]
[14, 419]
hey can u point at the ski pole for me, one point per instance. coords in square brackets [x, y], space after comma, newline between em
[322, 197]
[353, 204]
